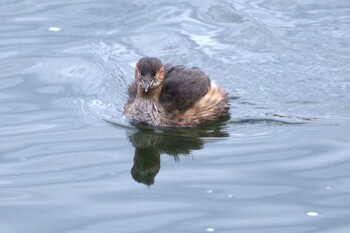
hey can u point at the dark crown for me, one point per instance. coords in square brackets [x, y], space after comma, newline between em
[149, 65]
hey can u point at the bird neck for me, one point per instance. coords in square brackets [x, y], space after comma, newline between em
[153, 93]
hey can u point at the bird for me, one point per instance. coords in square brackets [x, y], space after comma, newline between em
[173, 95]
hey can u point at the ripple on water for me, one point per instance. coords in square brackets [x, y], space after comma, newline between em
[10, 82]
[12, 196]
[225, 14]
[97, 80]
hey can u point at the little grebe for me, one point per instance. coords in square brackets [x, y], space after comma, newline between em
[166, 95]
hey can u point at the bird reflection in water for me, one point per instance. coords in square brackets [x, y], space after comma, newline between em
[150, 143]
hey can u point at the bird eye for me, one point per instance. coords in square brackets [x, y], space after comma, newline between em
[152, 82]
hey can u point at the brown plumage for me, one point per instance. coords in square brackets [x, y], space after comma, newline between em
[166, 95]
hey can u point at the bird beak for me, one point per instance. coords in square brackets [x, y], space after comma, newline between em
[146, 85]
[146, 88]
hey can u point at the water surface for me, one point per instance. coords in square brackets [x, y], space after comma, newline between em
[70, 163]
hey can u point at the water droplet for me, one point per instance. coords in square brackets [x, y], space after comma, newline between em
[230, 196]
[312, 214]
[210, 229]
[209, 191]
[55, 29]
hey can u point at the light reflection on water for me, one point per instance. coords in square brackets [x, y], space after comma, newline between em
[280, 164]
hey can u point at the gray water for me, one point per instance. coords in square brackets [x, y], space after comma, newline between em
[70, 163]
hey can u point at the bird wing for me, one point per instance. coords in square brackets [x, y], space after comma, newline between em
[182, 87]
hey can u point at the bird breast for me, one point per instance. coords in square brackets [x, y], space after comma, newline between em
[144, 110]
